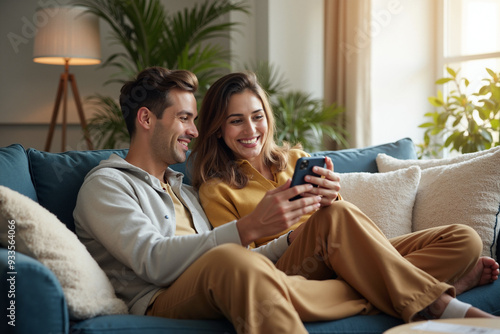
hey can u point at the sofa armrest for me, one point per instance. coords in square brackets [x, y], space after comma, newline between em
[32, 297]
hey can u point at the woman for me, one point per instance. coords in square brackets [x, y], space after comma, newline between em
[236, 165]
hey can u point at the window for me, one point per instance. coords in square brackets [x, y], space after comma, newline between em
[468, 40]
[471, 38]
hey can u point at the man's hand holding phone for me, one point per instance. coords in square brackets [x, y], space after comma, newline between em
[276, 213]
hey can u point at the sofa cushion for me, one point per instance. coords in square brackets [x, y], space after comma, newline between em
[131, 324]
[363, 159]
[462, 190]
[387, 163]
[58, 177]
[38, 233]
[387, 198]
[14, 170]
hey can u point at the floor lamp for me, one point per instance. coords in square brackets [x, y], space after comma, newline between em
[68, 35]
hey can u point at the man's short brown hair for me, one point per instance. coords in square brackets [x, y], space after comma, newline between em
[151, 89]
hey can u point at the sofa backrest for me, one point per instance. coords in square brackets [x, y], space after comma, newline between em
[57, 177]
[14, 170]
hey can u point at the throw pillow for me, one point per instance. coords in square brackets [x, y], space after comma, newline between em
[387, 198]
[386, 163]
[467, 192]
[39, 234]
[357, 160]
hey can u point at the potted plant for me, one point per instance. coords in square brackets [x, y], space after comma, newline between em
[465, 122]
[149, 36]
[308, 121]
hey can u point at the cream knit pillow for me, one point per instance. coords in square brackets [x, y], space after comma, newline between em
[464, 190]
[386, 163]
[39, 234]
[387, 198]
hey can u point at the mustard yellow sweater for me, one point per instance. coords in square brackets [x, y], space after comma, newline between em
[223, 203]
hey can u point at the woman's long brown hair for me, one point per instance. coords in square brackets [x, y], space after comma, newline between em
[211, 157]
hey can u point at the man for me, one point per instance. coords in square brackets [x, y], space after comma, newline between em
[150, 235]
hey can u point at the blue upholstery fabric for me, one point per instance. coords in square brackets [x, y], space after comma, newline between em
[40, 303]
[153, 325]
[363, 159]
[132, 324]
[14, 170]
[58, 177]
[485, 297]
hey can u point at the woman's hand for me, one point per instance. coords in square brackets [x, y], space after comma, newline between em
[276, 213]
[328, 184]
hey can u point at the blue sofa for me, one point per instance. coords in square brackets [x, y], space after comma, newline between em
[53, 180]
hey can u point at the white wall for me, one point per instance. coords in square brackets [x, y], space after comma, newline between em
[296, 42]
[287, 33]
[403, 72]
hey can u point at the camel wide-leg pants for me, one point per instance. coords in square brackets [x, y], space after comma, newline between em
[400, 276]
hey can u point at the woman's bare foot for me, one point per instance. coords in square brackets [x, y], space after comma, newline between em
[486, 271]
[436, 309]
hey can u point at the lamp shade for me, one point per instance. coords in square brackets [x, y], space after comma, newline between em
[67, 33]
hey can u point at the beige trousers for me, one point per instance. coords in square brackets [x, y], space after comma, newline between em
[400, 276]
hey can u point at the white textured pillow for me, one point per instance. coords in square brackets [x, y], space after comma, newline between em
[387, 198]
[386, 163]
[467, 192]
[40, 234]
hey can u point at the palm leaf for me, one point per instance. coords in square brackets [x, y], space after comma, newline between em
[207, 62]
[269, 76]
[302, 119]
[107, 126]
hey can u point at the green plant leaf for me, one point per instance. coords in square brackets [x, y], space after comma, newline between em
[442, 81]
[269, 76]
[307, 121]
[495, 124]
[457, 121]
[451, 138]
[486, 135]
[466, 122]
[435, 101]
[107, 126]
[426, 125]
[492, 74]
[451, 72]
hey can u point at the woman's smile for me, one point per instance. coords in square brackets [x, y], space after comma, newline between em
[249, 142]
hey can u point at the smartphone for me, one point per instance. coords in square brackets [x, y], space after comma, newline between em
[304, 167]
